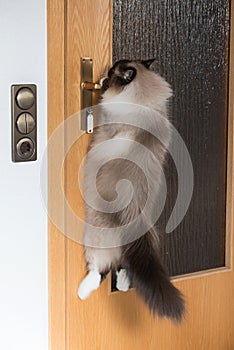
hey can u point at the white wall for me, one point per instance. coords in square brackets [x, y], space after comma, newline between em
[23, 223]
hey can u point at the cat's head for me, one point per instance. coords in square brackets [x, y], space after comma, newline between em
[123, 73]
[134, 82]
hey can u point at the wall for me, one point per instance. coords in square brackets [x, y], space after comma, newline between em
[23, 229]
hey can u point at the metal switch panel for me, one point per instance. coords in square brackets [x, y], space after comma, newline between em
[24, 122]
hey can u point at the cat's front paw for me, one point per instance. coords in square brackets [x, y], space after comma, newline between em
[90, 283]
[123, 281]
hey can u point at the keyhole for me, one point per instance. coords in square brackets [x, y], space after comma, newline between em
[25, 148]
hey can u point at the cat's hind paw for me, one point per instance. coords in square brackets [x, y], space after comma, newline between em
[90, 283]
[122, 282]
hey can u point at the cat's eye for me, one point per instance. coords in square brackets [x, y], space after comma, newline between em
[129, 74]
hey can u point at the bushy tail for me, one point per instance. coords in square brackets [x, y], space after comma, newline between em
[150, 280]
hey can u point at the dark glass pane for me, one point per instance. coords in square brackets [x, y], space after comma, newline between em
[189, 40]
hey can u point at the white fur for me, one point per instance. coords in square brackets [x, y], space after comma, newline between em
[123, 282]
[90, 283]
[100, 259]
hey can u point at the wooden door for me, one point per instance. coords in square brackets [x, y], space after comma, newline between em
[117, 320]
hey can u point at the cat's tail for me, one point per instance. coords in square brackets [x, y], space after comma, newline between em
[150, 280]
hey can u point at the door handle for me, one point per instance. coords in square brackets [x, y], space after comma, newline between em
[87, 85]
[90, 94]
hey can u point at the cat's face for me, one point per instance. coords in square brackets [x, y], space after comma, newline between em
[123, 73]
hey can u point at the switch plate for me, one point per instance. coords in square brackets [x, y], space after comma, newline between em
[24, 122]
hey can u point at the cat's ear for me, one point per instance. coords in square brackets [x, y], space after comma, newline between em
[148, 63]
[129, 74]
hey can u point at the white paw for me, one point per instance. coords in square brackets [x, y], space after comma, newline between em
[123, 282]
[90, 283]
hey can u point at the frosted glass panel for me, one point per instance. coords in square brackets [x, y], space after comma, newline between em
[189, 40]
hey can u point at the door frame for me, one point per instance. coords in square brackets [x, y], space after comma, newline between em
[57, 114]
[56, 58]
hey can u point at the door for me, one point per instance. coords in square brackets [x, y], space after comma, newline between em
[113, 320]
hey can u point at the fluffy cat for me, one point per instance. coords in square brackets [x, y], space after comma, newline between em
[132, 92]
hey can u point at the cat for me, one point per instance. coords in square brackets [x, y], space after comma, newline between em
[132, 91]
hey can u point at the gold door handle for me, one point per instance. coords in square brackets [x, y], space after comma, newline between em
[90, 94]
[90, 86]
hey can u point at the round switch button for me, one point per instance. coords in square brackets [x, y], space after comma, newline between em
[25, 123]
[25, 98]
